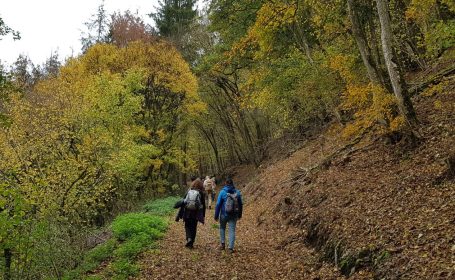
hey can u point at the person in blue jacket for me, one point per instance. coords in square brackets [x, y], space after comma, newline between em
[225, 218]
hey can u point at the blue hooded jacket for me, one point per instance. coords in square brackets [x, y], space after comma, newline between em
[219, 209]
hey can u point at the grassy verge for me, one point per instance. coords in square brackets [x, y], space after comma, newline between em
[133, 233]
[161, 207]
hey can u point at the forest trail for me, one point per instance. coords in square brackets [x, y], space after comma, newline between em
[261, 252]
[256, 257]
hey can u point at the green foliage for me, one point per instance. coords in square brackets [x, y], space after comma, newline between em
[293, 102]
[134, 245]
[132, 224]
[137, 231]
[174, 17]
[441, 37]
[123, 269]
[233, 18]
[100, 253]
[161, 207]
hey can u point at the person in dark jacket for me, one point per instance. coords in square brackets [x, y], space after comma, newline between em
[226, 218]
[192, 217]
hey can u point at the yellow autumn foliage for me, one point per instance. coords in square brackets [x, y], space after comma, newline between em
[371, 104]
[75, 144]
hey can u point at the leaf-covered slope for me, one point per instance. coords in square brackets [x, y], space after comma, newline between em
[382, 207]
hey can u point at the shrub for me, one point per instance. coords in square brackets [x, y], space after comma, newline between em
[123, 269]
[102, 251]
[129, 225]
[133, 246]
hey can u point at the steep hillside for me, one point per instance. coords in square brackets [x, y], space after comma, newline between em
[378, 207]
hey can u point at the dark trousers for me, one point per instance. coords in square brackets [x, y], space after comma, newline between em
[190, 230]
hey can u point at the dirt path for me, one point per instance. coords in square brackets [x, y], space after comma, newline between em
[258, 254]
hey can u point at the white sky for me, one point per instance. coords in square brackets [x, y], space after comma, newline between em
[55, 25]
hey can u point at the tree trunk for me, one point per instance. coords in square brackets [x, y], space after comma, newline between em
[362, 44]
[302, 41]
[396, 79]
[8, 256]
[211, 138]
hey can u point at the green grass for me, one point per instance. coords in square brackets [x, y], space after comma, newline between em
[161, 207]
[133, 233]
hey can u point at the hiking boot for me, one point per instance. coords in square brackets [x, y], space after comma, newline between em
[189, 244]
[221, 248]
[231, 251]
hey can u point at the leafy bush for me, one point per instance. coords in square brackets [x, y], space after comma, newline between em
[124, 268]
[102, 251]
[441, 37]
[129, 225]
[161, 207]
[133, 246]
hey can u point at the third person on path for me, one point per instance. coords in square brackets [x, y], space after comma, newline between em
[209, 187]
[228, 210]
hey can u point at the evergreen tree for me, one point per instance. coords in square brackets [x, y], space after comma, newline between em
[174, 17]
[97, 29]
[5, 30]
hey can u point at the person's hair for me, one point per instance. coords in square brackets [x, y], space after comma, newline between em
[197, 185]
[229, 181]
[193, 178]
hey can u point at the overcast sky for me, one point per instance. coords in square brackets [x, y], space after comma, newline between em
[50, 25]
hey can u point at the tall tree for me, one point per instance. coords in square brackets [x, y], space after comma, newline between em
[174, 18]
[21, 71]
[129, 27]
[97, 28]
[399, 86]
[362, 44]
